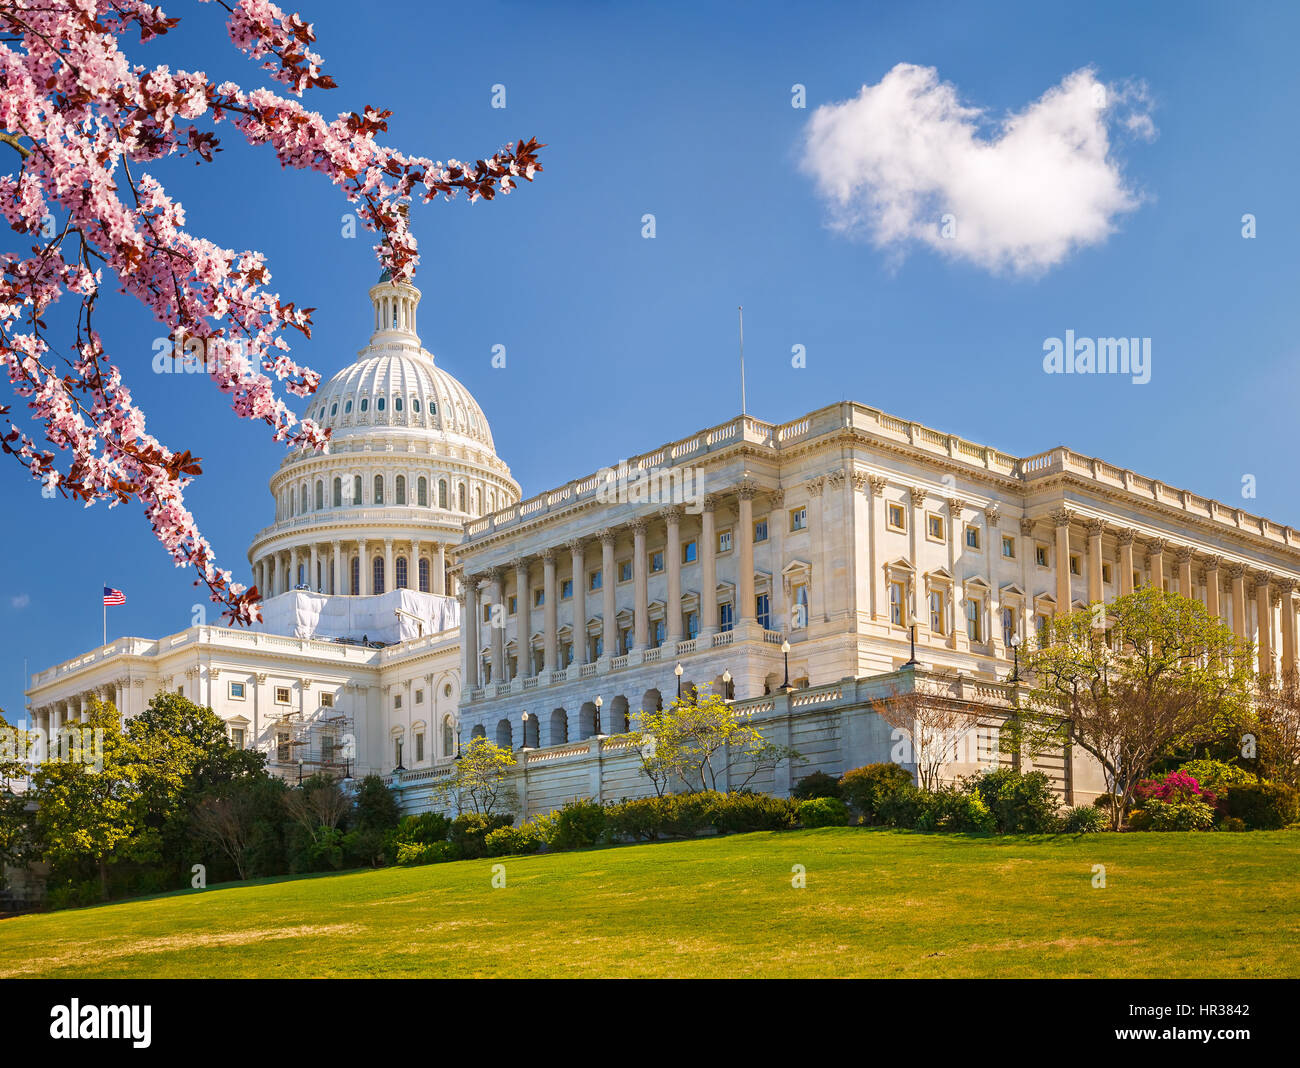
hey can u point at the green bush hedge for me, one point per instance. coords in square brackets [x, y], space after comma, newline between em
[505, 841]
[868, 789]
[954, 810]
[744, 812]
[1263, 806]
[818, 784]
[1020, 803]
[469, 831]
[1085, 819]
[1191, 814]
[824, 812]
[578, 824]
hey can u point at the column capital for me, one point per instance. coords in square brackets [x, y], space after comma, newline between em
[993, 515]
[1061, 517]
[639, 525]
[955, 506]
[919, 494]
[608, 535]
[859, 479]
[1236, 571]
[1156, 545]
[1095, 528]
[1286, 586]
[877, 484]
[747, 490]
[1026, 526]
[710, 502]
[776, 498]
[1212, 563]
[1262, 579]
[548, 556]
[576, 545]
[672, 514]
[1183, 554]
[519, 563]
[496, 574]
[835, 479]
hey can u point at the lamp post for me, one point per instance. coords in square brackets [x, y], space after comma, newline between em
[678, 672]
[600, 701]
[911, 627]
[523, 730]
[300, 771]
[726, 686]
[1015, 655]
[785, 650]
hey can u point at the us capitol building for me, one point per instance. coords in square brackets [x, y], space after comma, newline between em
[414, 601]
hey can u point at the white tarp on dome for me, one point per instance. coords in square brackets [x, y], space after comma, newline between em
[302, 614]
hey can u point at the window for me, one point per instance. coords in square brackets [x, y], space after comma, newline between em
[1040, 555]
[377, 570]
[282, 695]
[760, 530]
[625, 571]
[972, 537]
[1008, 625]
[597, 647]
[397, 701]
[379, 489]
[937, 620]
[798, 519]
[400, 568]
[365, 403]
[327, 749]
[566, 589]
[379, 404]
[448, 741]
[419, 735]
[539, 598]
[934, 526]
[625, 639]
[799, 606]
[1008, 546]
[656, 561]
[1105, 573]
[320, 495]
[237, 737]
[237, 691]
[347, 407]
[419, 697]
[595, 579]
[726, 619]
[397, 752]
[974, 619]
[424, 576]
[400, 490]
[282, 746]
[356, 576]
[422, 492]
[692, 625]
[356, 491]
[763, 611]
[1074, 565]
[442, 493]
[724, 541]
[659, 633]
[327, 700]
[460, 497]
[896, 517]
[397, 404]
[338, 493]
[897, 598]
[514, 605]
[689, 552]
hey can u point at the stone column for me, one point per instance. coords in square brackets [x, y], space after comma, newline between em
[708, 569]
[524, 620]
[608, 606]
[293, 568]
[363, 571]
[1212, 586]
[673, 567]
[578, 555]
[776, 528]
[340, 583]
[745, 558]
[440, 571]
[313, 580]
[1064, 602]
[550, 594]
[1237, 576]
[992, 553]
[958, 639]
[1287, 588]
[1183, 555]
[915, 538]
[818, 594]
[1264, 611]
[641, 582]
[497, 623]
[875, 540]
[469, 662]
[390, 580]
[1156, 562]
[1096, 589]
[1125, 538]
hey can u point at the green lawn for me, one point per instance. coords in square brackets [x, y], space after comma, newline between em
[877, 903]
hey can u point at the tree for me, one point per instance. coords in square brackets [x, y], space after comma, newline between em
[934, 727]
[15, 814]
[227, 821]
[87, 128]
[1277, 721]
[698, 740]
[1137, 681]
[85, 810]
[479, 781]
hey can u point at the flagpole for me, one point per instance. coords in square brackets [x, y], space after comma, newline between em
[104, 605]
[743, 409]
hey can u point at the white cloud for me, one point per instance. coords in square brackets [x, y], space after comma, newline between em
[20, 601]
[1024, 192]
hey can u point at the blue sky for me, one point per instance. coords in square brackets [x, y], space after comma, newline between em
[616, 343]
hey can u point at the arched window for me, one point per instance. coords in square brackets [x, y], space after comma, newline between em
[338, 493]
[401, 489]
[291, 499]
[320, 495]
[399, 567]
[379, 489]
[377, 570]
[347, 407]
[424, 576]
[303, 499]
[334, 409]
[422, 492]
[442, 493]
[356, 576]
[397, 404]
[415, 405]
[356, 490]
[478, 500]
[365, 403]
[460, 497]
[448, 737]
[379, 404]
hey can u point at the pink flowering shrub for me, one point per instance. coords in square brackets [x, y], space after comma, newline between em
[1176, 786]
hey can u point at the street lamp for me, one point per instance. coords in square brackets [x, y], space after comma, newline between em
[911, 627]
[785, 649]
[1015, 654]
[726, 685]
[600, 702]
[300, 771]
[678, 672]
[524, 732]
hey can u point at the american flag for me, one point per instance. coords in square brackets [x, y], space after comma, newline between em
[112, 596]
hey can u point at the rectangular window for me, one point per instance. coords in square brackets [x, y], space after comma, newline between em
[327, 749]
[763, 611]
[972, 537]
[487, 611]
[419, 697]
[724, 541]
[327, 700]
[419, 745]
[237, 737]
[725, 618]
[1008, 625]
[799, 606]
[1008, 546]
[597, 579]
[897, 596]
[1040, 555]
[660, 633]
[282, 695]
[282, 746]
[760, 530]
[974, 619]
[937, 613]
[896, 517]
[987, 744]
[237, 691]
[625, 571]
[656, 561]
[625, 640]
[514, 604]
[692, 625]
[798, 519]
[1105, 573]
[934, 526]
[539, 598]
[397, 701]
[689, 552]
[566, 589]
[1074, 565]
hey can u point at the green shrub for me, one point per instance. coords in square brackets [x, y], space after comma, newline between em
[686, 815]
[742, 812]
[868, 789]
[513, 840]
[1020, 803]
[1263, 806]
[1217, 775]
[1084, 819]
[578, 824]
[468, 832]
[426, 853]
[640, 820]
[375, 806]
[818, 784]
[901, 808]
[1191, 814]
[824, 812]
[367, 848]
[954, 810]
[1231, 823]
[425, 828]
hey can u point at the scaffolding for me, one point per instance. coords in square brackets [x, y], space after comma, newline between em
[323, 743]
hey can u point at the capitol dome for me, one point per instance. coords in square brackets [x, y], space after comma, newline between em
[411, 460]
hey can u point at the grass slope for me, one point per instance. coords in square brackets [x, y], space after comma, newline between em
[877, 903]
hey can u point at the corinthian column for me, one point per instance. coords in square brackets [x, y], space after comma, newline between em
[745, 578]
[1287, 588]
[608, 607]
[1156, 562]
[1237, 576]
[1125, 538]
[641, 582]
[1183, 555]
[550, 594]
[708, 569]
[1096, 590]
[1064, 602]
[1212, 586]
[1264, 611]
[673, 518]
[578, 554]
[523, 620]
